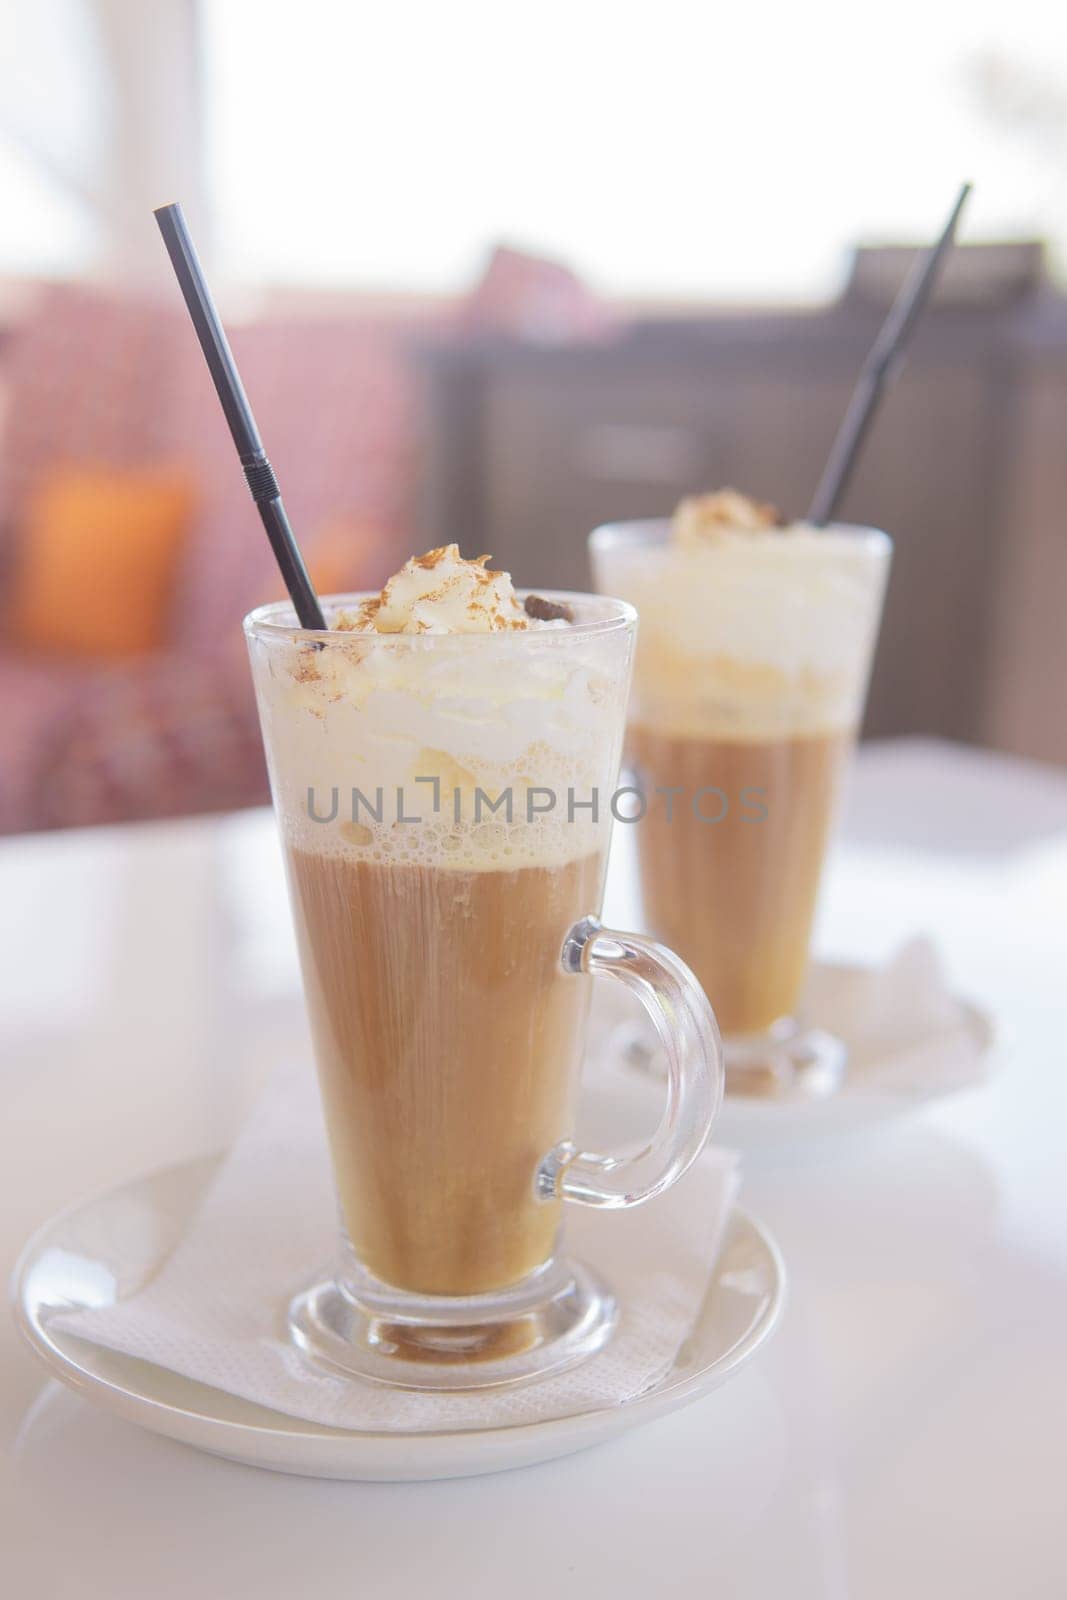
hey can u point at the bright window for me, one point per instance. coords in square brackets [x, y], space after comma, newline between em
[668, 148]
[675, 148]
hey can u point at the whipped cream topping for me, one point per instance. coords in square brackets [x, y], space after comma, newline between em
[749, 629]
[707, 516]
[441, 592]
[464, 751]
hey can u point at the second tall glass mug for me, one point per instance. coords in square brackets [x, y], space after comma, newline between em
[445, 803]
[751, 674]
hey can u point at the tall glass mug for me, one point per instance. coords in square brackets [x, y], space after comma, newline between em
[749, 687]
[445, 805]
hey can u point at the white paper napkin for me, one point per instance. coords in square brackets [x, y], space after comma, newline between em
[906, 1032]
[215, 1311]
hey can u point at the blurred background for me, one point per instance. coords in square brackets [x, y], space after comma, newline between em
[495, 274]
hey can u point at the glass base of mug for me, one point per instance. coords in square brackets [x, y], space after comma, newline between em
[551, 1320]
[787, 1060]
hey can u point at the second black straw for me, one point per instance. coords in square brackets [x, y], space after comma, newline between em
[879, 368]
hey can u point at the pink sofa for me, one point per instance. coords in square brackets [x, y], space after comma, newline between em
[92, 378]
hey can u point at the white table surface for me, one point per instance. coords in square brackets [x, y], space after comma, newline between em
[905, 1434]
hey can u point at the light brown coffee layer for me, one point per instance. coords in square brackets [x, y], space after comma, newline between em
[736, 897]
[447, 1039]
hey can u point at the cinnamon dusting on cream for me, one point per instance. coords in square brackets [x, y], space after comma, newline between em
[441, 592]
[701, 517]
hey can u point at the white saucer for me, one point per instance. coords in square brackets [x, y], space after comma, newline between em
[931, 1064]
[106, 1248]
[629, 1081]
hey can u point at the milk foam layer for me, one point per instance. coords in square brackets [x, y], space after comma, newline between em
[759, 634]
[537, 709]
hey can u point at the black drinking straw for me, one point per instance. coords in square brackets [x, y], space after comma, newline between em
[879, 368]
[258, 471]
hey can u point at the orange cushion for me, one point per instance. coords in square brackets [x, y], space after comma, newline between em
[100, 548]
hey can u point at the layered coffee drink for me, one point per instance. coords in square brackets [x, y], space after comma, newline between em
[755, 648]
[434, 794]
[444, 757]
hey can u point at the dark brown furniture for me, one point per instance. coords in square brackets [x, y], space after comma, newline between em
[527, 449]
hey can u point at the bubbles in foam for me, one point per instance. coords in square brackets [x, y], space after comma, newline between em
[473, 727]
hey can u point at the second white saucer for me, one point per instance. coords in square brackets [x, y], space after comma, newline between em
[926, 1064]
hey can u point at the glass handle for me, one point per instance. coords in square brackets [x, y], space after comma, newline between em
[696, 1076]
